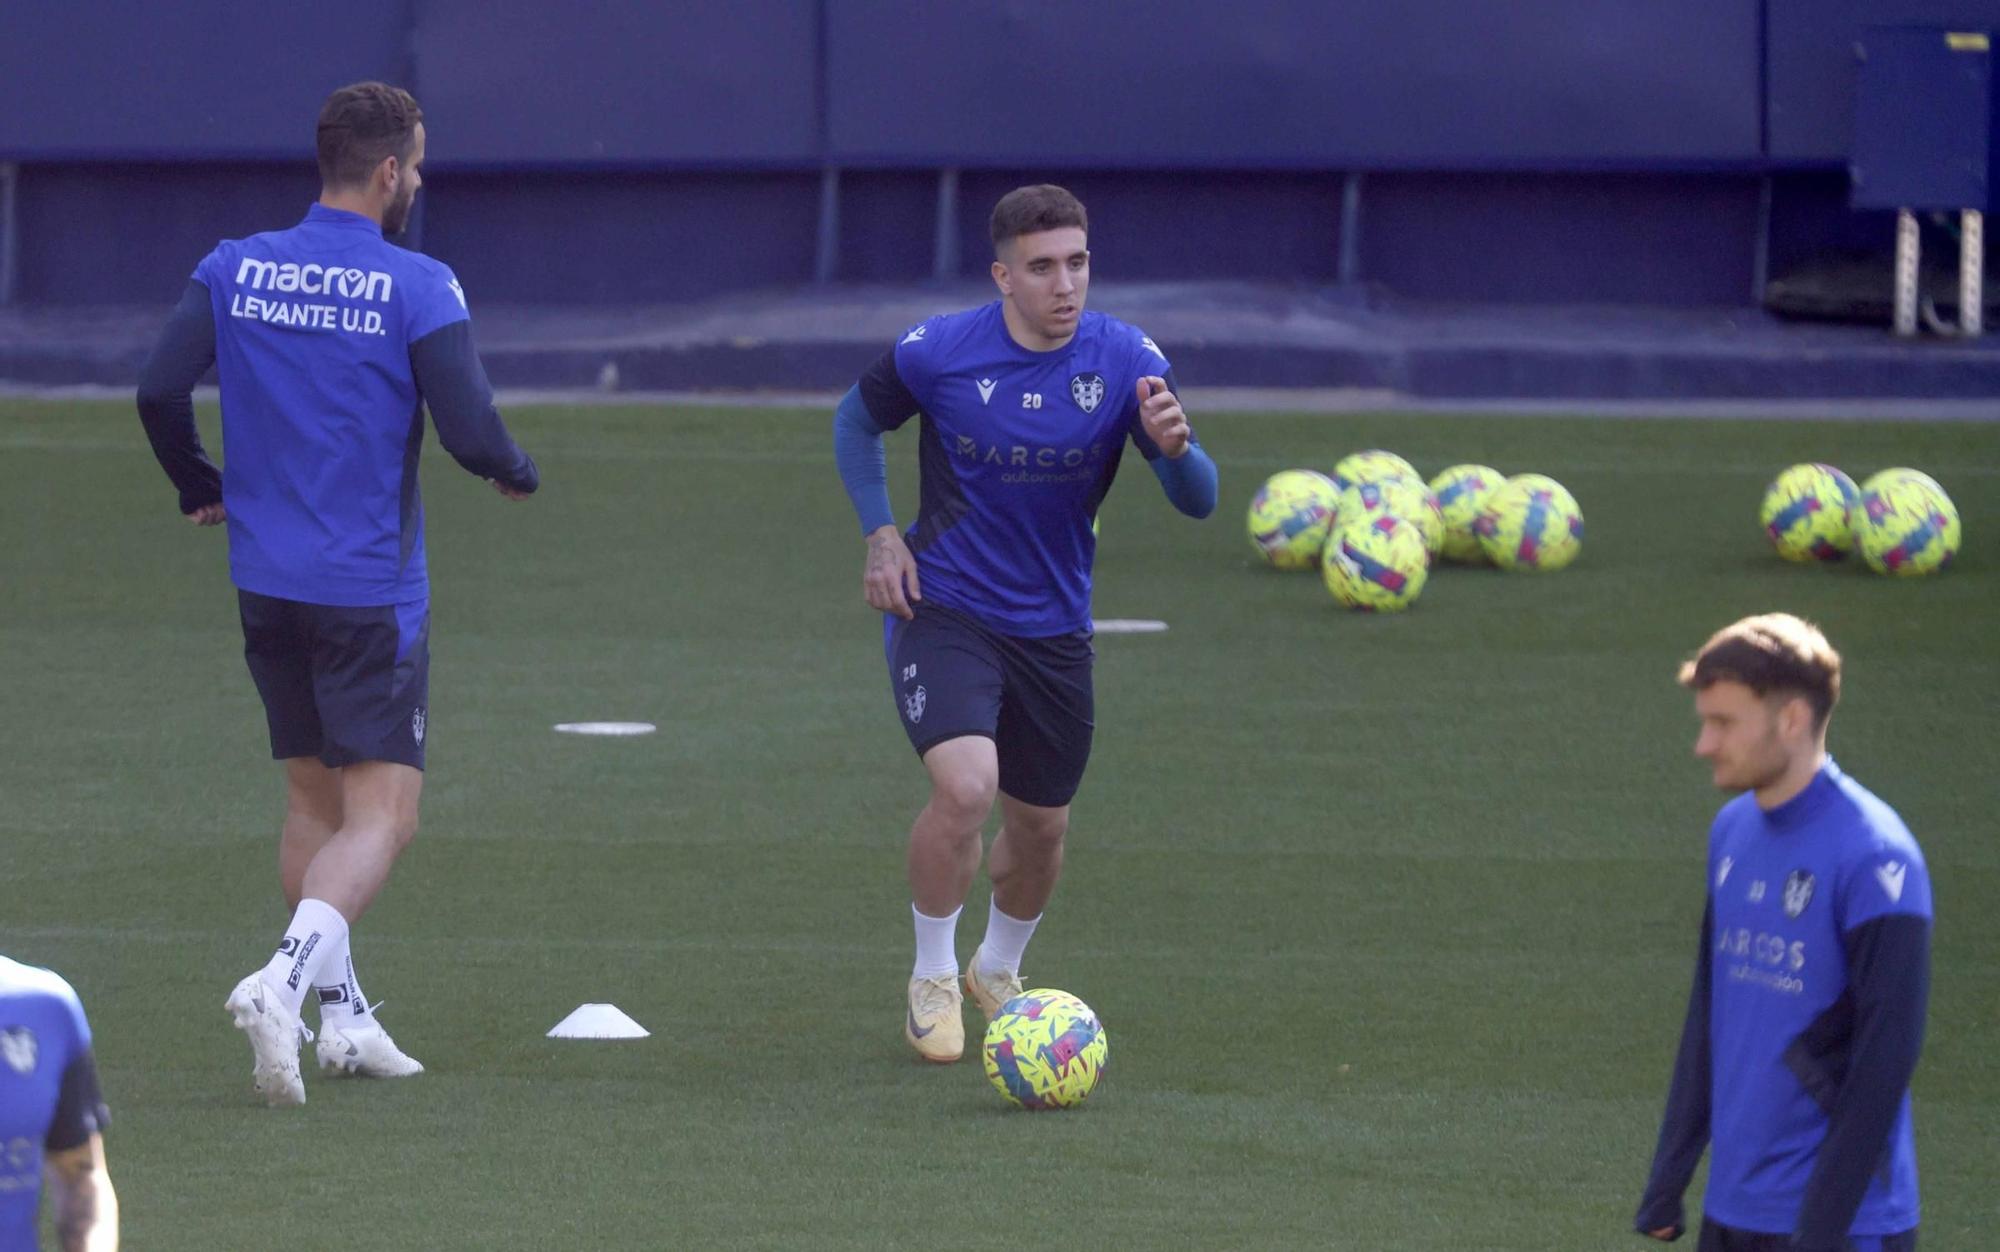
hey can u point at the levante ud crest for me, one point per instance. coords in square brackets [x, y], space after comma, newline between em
[1088, 391]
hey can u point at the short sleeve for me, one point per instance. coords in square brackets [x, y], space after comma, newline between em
[1146, 361]
[1889, 880]
[436, 301]
[916, 355]
[212, 271]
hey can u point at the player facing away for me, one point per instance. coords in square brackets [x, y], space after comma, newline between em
[1811, 979]
[328, 343]
[1026, 405]
[52, 1116]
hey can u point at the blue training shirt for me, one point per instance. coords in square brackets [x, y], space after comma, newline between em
[1804, 1023]
[321, 416]
[1787, 888]
[49, 1098]
[1018, 449]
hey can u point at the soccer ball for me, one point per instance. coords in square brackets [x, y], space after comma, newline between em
[1395, 496]
[1904, 473]
[1045, 1049]
[1461, 492]
[1905, 524]
[1530, 522]
[1806, 513]
[1369, 466]
[1290, 516]
[1378, 565]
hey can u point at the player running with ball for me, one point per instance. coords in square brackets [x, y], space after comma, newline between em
[1026, 405]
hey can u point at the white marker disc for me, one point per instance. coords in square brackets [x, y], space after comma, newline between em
[606, 728]
[1128, 626]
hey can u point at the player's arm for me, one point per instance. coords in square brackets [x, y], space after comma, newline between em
[876, 404]
[1889, 978]
[455, 388]
[81, 1197]
[183, 353]
[1164, 437]
[1684, 1129]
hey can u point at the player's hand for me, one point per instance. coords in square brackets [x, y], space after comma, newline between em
[208, 514]
[1160, 413]
[889, 569]
[507, 491]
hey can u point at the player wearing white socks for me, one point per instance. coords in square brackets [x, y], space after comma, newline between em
[321, 421]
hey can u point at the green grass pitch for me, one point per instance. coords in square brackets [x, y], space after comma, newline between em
[1390, 920]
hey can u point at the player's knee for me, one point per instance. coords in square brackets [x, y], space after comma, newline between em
[1045, 828]
[403, 831]
[965, 796]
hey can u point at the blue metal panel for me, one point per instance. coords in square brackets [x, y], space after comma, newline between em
[609, 238]
[1923, 103]
[512, 82]
[1811, 64]
[1647, 239]
[131, 234]
[195, 79]
[1289, 83]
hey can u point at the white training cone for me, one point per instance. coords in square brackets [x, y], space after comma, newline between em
[598, 1021]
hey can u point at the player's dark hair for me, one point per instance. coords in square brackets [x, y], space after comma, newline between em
[360, 126]
[1031, 210]
[1771, 653]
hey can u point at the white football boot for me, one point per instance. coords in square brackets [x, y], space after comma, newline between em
[363, 1052]
[274, 1033]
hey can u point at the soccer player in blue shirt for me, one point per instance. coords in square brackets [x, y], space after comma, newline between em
[52, 1116]
[1026, 405]
[329, 342]
[1811, 980]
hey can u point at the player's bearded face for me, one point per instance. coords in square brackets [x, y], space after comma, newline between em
[1740, 737]
[396, 213]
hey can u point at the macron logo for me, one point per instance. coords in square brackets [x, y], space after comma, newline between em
[1890, 875]
[915, 335]
[1722, 873]
[986, 386]
[1152, 347]
[459, 292]
[314, 279]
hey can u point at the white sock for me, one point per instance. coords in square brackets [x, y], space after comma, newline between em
[339, 992]
[937, 944]
[1006, 939]
[316, 929]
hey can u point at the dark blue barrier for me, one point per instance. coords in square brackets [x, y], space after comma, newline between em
[191, 80]
[1291, 83]
[633, 84]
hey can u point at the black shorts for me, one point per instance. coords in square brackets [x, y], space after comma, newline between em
[342, 684]
[952, 675]
[1715, 1237]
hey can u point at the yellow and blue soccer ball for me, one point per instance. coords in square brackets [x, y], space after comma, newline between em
[1807, 511]
[1369, 466]
[1290, 516]
[1905, 524]
[1530, 522]
[1045, 1049]
[1461, 492]
[1394, 496]
[1376, 565]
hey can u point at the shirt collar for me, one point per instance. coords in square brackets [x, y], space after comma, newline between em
[1802, 806]
[320, 215]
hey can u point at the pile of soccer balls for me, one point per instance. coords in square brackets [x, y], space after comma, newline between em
[1374, 528]
[1900, 519]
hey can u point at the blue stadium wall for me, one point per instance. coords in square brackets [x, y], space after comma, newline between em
[1539, 150]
